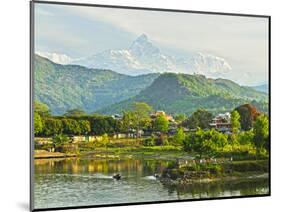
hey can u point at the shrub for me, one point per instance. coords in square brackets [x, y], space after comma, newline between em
[165, 142]
[178, 138]
[246, 137]
[149, 142]
[205, 142]
[162, 140]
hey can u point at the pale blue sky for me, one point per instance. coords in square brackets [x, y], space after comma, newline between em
[79, 31]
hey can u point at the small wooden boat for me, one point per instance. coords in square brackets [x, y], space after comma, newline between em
[156, 175]
[117, 176]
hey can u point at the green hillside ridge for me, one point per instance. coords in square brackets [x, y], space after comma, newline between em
[184, 93]
[64, 87]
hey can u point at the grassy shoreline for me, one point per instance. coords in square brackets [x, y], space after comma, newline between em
[42, 154]
[185, 167]
[157, 152]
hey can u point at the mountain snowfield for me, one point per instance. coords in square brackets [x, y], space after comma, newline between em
[62, 59]
[142, 57]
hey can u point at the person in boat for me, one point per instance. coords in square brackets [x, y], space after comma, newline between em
[156, 175]
[117, 176]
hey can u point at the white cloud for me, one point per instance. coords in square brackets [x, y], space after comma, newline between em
[243, 41]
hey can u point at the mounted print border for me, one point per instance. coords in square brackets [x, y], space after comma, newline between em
[124, 110]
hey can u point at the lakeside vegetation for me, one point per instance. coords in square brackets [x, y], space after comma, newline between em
[196, 149]
[248, 137]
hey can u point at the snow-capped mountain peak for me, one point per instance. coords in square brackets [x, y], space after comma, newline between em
[144, 57]
[142, 47]
[141, 39]
[56, 57]
[209, 64]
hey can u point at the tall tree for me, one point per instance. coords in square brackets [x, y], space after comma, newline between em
[71, 126]
[194, 142]
[52, 126]
[140, 116]
[246, 137]
[41, 109]
[200, 118]
[100, 125]
[179, 136]
[261, 132]
[127, 120]
[235, 122]
[85, 126]
[248, 113]
[161, 124]
[38, 124]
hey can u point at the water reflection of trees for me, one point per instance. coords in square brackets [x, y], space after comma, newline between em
[220, 188]
[138, 168]
[129, 167]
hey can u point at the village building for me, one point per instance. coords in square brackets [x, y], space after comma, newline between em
[117, 116]
[161, 112]
[222, 122]
[172, 124]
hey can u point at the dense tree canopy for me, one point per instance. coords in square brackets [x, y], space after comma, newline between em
[248, 113]
[200, 118]
[161, 124]
[261, 132]
[85, 126]
[104, 125]
[208, 141]
[142, 114]
[246, 137]
[138, 117]
[52, 126]
[201, 141]
[235, 122]
[97, 125]
[38, 123]
[128, 121]
[179, 136]
[71, 126]
[41, 109]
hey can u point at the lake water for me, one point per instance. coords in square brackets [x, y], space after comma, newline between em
[87, 181]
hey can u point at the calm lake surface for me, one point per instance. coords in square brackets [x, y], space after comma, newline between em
[87, 181]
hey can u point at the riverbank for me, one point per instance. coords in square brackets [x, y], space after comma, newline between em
[183, 168]
[43, 154]
[157, 152]
[210, 172]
